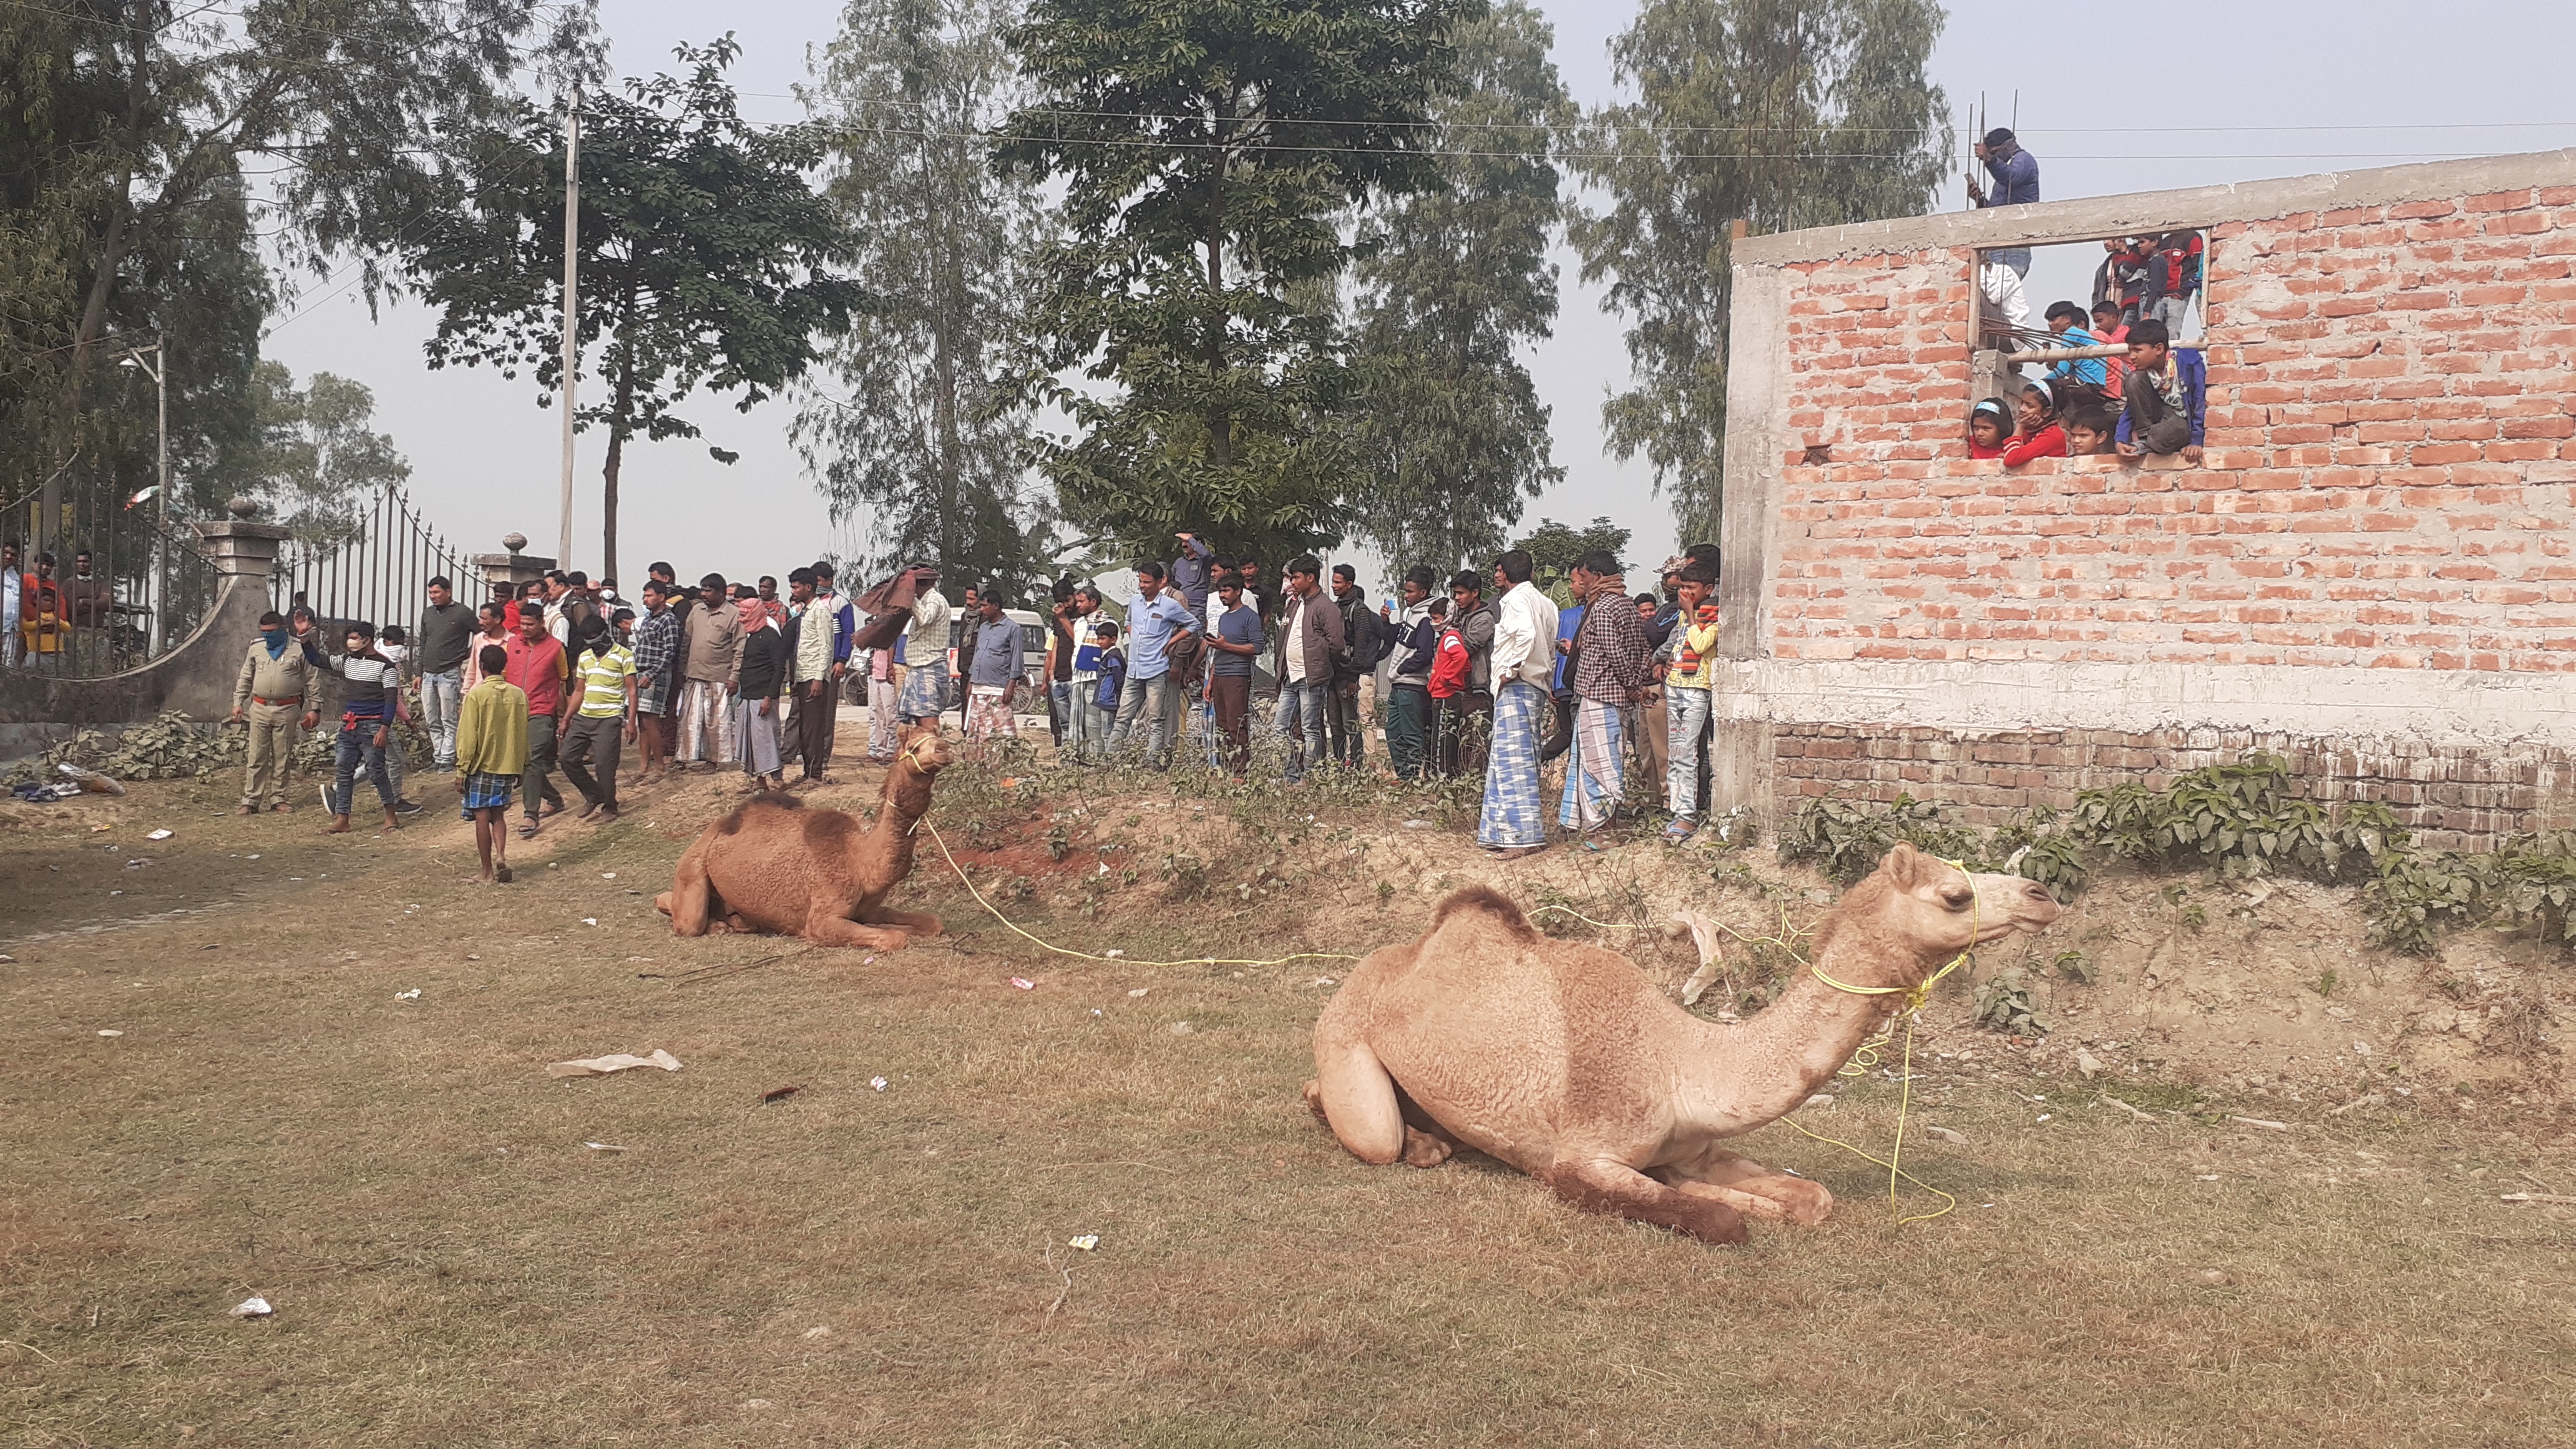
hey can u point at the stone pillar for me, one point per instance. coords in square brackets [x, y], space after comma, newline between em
[508, 571]
[239, 548]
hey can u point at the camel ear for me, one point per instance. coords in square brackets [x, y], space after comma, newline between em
[1903, 865]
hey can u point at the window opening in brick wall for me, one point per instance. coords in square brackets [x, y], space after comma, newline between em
[2060, 315]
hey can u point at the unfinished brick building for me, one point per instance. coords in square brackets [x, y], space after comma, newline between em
[2369, 573]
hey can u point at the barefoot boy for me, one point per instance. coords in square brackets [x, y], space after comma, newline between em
[491, 755]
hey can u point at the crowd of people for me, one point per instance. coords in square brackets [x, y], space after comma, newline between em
[51, 620]
[2144, 396]
[1480, 673]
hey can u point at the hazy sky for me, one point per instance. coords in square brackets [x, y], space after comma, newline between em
[2209, 93]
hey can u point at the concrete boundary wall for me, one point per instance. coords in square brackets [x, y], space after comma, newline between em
[2373, 571]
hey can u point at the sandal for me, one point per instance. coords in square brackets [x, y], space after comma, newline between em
[1681, 830]
[528, 831]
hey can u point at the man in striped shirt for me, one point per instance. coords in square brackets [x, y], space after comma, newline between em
[604, 673]
[369, 705]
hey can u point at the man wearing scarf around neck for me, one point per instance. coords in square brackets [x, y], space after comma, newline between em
[274, 689]
[1612, 668]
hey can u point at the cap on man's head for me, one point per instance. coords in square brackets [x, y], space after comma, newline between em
[1672, 565]
[2001, 136]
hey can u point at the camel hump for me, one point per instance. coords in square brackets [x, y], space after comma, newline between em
[742, 814]
[1487, 902]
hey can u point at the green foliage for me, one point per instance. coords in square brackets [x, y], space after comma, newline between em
[2326, 982]
[127, 213]
[2003, 1004]
[2235, 821]
[319, 463]
[1553, 547]
[1846, 839]
[1209, 155]
[1779, 113]
[2075, 965]
[914, 438]
[1453, 282]
[708, 262]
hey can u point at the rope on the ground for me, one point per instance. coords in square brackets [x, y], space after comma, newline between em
[1045, 945]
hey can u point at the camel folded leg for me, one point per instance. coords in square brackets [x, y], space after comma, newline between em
[918, 923]
[691, 900]
[1751, 1188]
[1615, 1189]
[833, 931]
[1356, 1098]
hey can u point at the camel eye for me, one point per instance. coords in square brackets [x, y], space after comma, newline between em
[1958, 898]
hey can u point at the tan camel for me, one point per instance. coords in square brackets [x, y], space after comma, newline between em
[1567, 1063]
[775, 866]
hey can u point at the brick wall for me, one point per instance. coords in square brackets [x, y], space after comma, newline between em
[2386, 508]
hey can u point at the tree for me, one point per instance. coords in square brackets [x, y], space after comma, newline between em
[1453, 281]
[1553, 547]
[1779, 113]
[319, 463]
[920, 440]
[122, 156]
[1209, 153]
[707, 260]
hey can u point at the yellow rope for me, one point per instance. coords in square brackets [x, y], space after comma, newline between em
[1587, 920]
[1086, 955]
[1865, 1058]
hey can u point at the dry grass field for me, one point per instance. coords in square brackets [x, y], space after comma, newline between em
[451, 1265]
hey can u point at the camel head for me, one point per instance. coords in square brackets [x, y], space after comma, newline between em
[925, 754]
[1926, 911]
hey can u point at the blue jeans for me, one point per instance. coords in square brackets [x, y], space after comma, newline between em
[1154, 699]
[441, 696]
[1301, 724]
[1687, 710]
[358, 747]
[1086, 735]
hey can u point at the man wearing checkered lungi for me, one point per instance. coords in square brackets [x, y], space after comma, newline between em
[1612, 668]
[925, 653]
[1524, 658]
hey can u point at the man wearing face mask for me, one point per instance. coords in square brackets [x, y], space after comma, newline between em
[274, 689]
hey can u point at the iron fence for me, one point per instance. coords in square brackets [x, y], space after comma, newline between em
[378, 572]
[124, 585]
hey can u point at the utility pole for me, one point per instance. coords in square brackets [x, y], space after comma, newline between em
[571, 289]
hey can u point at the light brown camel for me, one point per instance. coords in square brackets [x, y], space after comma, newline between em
[775, 866]
[1567, 1063]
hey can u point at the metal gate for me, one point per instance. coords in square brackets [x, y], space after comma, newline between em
[379, 574]
[106, 585]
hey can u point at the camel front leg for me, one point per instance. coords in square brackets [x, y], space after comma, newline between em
[918, 923]
[1750, 1188]
[830, 930]
[690, 897]
[1615, 1189]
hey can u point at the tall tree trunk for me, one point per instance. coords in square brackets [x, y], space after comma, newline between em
[102, 283]
[943, 361]
[1220, 420]
[616, 444]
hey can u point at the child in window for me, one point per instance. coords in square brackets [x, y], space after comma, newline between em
[2088, 433]
[2041, 435]
[1989, 428]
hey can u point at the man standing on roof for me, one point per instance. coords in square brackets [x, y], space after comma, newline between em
[2016, 176]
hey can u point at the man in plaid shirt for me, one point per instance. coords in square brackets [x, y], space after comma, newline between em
[657, 639]
[1612, 668]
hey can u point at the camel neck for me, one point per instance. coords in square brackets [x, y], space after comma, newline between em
[1744, 1075]
[905, 801]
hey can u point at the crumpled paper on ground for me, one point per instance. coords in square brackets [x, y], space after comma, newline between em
[614, 1062]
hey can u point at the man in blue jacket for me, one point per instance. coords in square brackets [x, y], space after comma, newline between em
[2165, 399]
[2016, 176]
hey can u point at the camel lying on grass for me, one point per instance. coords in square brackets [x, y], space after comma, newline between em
[1567, 1063]
[774, 866]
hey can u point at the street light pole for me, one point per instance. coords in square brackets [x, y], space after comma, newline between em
[159, 369]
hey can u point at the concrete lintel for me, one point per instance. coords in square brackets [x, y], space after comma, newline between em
[2136, 213]
[2347, 705]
